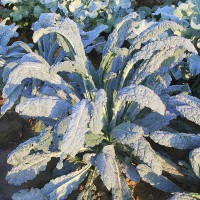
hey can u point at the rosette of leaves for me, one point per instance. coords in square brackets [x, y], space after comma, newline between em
[105, 120]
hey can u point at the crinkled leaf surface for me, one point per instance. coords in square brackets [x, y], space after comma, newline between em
[128, 133]
[155, 121]
[61, 187]
[187, 106]
[176, 140]
[48, 107]
[144, 96]
[144, 151]
[74, 136]
[40, 142]
[158, 181]
[29, 168]
[36, 71]
[154, 31]
[29, 195]
[130, 171]
[110, 173]
[96, 122]
[107, 167]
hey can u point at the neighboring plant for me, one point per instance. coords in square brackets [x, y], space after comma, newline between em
[22, 10]
[87, 14]
[187, 13]
[104, 122]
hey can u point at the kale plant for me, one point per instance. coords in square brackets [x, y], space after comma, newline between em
[104, 122]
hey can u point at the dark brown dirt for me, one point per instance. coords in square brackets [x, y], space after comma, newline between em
[12, 128]
[144, 191]
[151, 3]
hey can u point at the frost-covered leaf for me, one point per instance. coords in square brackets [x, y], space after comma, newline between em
[122, 191]
[61, 187]
[187, 106]
[149, 49]
[108, 168]
[68, 66]
[169, 13]
[144, 96]
[163, 61]
[159, 80]
[40, 142]
[58, 188]
[195, 161]
[47, 107]
[130, 171]
[11, 100]
[176, 140]
[29, 195]
[120, 33]
[29, 168]
[155, 63]
[144, 151]
[89, 158]
[90, 36]
[174, 89]
[69, 31]
[96, 122]
[6, 33]
[155, 121]
[74, 136]
[36, 71]
[158, 181]
[128, 133]
[46, 20]
[153, 51]
[154, 31]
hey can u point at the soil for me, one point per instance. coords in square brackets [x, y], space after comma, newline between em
[151, 3]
